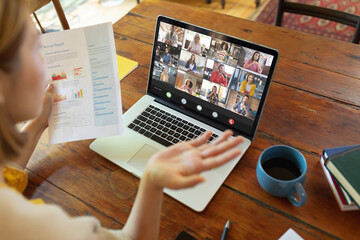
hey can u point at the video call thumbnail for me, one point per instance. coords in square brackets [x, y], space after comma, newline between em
[171, 35]
[196, 43]
[167, 54]
[213, 93]
[164, 73]
[188, 83]
[192, 63]
[217, 71]
[219, 50]
[242, 104]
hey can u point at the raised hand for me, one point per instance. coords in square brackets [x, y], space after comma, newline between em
[179, 166]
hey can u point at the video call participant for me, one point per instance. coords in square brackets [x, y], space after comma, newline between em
[191, 64]
[171, 37]
[253, 63]
[248, 86]
[166, 57]
[187, 87]
[222, 54]
[195, 46]
[218, 76]
[164, 76]
[22, 97]
[212, 96]
[242, 107]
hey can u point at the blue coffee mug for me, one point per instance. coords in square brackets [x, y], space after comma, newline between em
[283, 188]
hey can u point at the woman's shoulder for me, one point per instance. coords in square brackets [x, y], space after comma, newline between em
[22, 218]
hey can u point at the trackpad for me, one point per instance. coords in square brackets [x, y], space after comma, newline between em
[140, 158]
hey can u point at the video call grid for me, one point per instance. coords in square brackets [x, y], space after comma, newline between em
[212, 69]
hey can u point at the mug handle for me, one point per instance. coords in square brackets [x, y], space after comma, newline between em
[302, 195]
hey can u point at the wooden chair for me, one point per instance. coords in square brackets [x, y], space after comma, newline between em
[34, 5]
[320, 12]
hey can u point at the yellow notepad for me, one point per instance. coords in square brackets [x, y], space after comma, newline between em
[125, 66]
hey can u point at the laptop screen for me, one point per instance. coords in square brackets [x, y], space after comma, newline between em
[223, 79]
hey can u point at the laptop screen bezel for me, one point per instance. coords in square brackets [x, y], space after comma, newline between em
[248, 133]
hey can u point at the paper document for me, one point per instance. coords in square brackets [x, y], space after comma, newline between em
[81, 64]
[290, 234]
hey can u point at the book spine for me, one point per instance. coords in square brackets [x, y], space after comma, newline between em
[335, 188]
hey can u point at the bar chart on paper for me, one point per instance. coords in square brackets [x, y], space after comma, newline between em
[79, 94]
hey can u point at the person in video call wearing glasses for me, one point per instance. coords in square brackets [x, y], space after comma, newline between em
[195, 45]
[218, 76]
[242, 107]
[23, 96]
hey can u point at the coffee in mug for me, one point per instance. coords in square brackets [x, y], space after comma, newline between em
[281, 168]
[281, 171]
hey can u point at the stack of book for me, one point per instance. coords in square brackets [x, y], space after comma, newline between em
[342, 169]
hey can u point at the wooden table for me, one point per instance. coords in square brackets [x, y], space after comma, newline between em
[314, 103]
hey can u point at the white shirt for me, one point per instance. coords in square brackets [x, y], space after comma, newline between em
[248, 87]
[191, 66]
[194, 48]
[21, 219]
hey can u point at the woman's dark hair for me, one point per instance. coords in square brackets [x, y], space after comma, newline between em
[252, 58]
[191, 84]
[191, 58]
[250, 74]
[222, 46]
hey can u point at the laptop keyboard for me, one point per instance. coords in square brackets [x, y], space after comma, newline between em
[165, 128]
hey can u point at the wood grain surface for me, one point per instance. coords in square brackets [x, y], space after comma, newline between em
[313, 103]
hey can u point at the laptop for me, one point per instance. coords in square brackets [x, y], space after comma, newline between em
[199, 80]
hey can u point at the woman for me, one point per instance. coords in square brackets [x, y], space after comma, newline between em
[191, 64]
[164, 76]
[187, 87]
[212, 96]
[222, 54]
[248, 86]
[253, 63]
[22, 97]
[195, 46]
